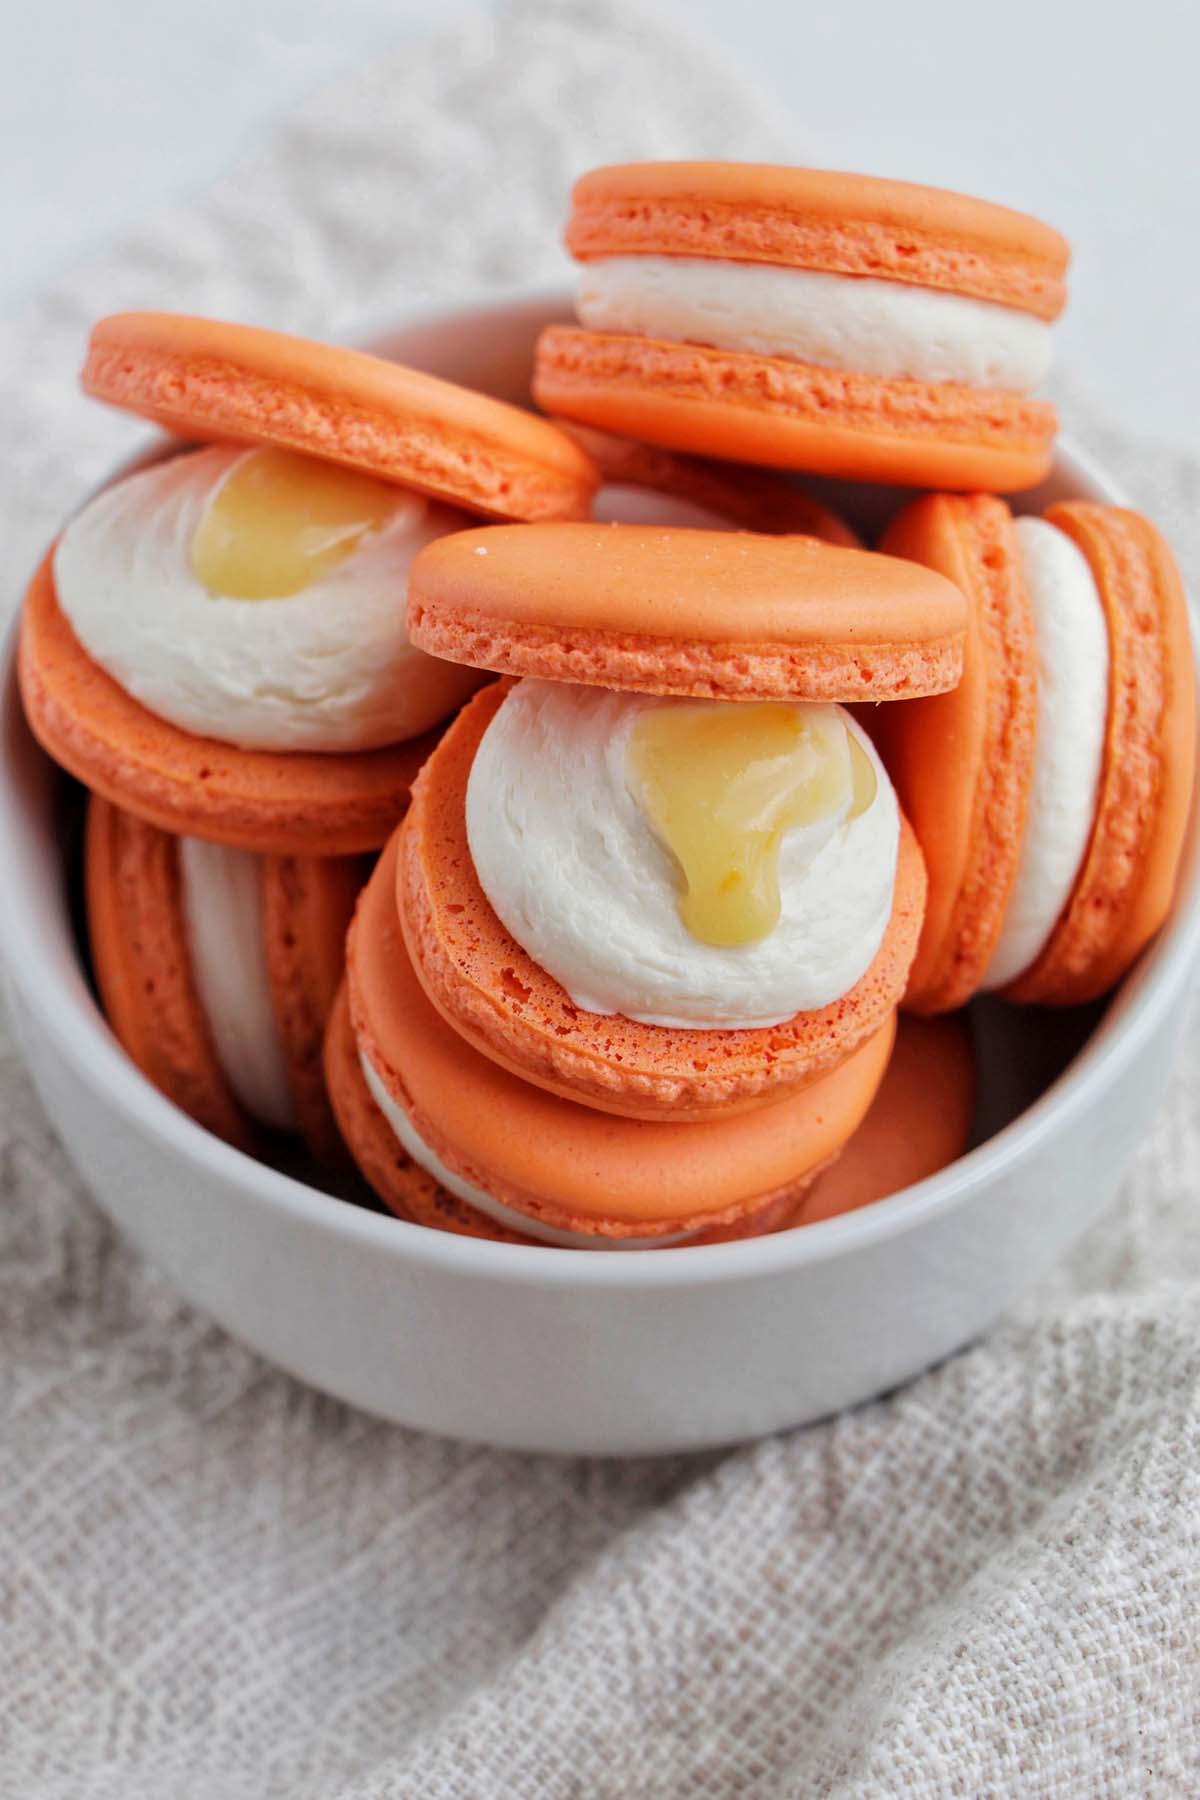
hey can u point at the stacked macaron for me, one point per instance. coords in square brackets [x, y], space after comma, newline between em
[673, 942]
[1052, 789]
[654, 905]
[808, 320]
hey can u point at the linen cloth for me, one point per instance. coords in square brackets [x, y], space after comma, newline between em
[215, 1584]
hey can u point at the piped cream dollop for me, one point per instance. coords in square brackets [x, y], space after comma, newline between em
[327, 667]
[578, 873]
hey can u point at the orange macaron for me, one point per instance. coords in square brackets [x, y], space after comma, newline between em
[217, 969]
[645, 484]
[806, 319]
[205, 379]
[1051, 789]
[664, 610]
[919, 1121]
[216, 641]
[277, 802]
[574, 953]
[503, 1002]
[449, 1138]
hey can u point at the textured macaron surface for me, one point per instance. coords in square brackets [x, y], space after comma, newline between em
[752, 499]
[727, 615]
[204, 378]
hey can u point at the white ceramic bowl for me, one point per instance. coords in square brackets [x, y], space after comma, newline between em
[562, 1350]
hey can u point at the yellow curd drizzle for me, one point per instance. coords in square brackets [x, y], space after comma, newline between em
[723, 784]
[281, 520]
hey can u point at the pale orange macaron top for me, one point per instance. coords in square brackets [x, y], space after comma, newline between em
[666, 610]
[964, 762]
[539, 1162]
[242, 1071]
[209, 379]
[697, 390]
[206, 379]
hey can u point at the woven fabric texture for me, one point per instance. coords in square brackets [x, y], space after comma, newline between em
[215, 1584]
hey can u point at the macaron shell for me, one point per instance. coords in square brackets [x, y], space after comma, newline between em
[407, 1189]
[749, 498]
[143, 966]
[919, 1121]
[563, 1163]
[307, 905]
[821, 219]
[412, 1193]
[204, 378]
[962, 763]
[1125, 886]
[661, 610]
[783, 414]
[295, 803]
[496, 996]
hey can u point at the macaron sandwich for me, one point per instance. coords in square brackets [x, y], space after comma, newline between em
[1052, 788]
[803, 319]
[699, 823]
[660, 883]
[217, 969]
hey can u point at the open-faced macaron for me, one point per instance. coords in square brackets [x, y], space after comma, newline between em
[1051, 790]
[557, 924]
[643, 484]
[805, 319]
[919, 1121]
[449, 1138]
[217, 641]
[217, 968]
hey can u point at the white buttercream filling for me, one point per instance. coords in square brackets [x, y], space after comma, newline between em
[222, 905]
[1072, 715]
[412, 1141]
[622, 503]
[329, 668]
[854, 322]
[574, 870]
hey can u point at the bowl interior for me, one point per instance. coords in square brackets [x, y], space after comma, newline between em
[490, 346]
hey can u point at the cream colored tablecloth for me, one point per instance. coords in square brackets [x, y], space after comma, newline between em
[215, 1584]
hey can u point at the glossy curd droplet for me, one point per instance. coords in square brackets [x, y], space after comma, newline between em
[722, 785]
[281, 520]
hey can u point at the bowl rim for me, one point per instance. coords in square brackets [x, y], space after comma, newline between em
[52, 990]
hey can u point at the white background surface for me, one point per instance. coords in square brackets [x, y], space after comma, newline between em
[1074, 112]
